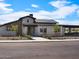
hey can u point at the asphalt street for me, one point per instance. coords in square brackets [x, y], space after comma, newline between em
[40, 50]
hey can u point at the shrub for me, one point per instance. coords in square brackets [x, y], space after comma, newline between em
[49, 38]
[28, 37]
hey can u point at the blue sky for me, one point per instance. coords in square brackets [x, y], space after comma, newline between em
[63, 11]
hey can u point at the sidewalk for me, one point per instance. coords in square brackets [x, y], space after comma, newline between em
[26, 41]
[36, 39]
[39, 38]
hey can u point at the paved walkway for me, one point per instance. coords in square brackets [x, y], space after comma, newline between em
[40, 38]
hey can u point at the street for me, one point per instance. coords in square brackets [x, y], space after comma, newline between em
[40, 50]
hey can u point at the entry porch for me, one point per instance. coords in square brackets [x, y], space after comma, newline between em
[29, 30]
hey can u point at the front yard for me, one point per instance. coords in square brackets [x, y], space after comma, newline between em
[16, 38]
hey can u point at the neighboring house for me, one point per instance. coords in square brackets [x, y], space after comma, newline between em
[28, 25]
[69, 30]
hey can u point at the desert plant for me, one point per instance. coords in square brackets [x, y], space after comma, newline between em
[28, 37]
[56, 28]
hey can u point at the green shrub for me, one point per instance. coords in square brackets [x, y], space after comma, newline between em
[28, 37]
[49, 38]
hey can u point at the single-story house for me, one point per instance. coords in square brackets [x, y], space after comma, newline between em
[28, 25]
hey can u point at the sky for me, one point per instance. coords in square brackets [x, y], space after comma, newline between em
[63, 11]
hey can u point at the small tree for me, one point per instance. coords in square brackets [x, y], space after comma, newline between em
[56, 28]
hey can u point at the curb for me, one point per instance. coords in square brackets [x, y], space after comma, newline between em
[29, 41]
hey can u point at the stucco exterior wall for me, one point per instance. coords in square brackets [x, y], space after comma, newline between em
[50, 31]
[24, 30]
[24, 21]
[3, 28]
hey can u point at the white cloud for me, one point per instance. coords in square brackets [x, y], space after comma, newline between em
[78, 12]
[65, 11]
[4, 7]
[12, 16]
[38, 15]
[57, 14]
[1, 0]
[60, 13]
[28, 9]
[69, 22]
[59, 3]
[16, 15]
[35, 6]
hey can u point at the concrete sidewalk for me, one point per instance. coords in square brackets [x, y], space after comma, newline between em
[39, 38]
[25, 41]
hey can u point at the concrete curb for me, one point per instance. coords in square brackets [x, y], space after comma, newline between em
[27, 41]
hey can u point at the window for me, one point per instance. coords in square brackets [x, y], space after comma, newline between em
[27, 20]
[44, 30]
[41, 30]
[8, 28]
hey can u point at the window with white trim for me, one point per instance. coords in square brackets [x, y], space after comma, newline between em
[43, 30]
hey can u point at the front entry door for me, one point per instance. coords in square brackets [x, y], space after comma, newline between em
[30, 30]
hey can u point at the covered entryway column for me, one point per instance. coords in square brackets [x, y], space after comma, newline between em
[69, 30]
[62, 30]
